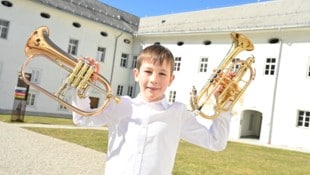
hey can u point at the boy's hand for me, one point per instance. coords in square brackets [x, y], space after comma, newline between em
[92, 62]
[226, 79]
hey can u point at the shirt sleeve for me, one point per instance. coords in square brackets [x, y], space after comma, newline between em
[96, 120]
[214, 137]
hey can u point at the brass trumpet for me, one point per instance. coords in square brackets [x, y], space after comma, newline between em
[80, 72]
[232, 77]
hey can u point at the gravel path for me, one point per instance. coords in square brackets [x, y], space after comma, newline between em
[23, 152]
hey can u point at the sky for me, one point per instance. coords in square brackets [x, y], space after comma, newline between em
[145, 8]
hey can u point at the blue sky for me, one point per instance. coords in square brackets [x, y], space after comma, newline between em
[144, 8]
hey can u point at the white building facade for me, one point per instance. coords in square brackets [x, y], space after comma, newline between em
[274, 110]
[79, 35]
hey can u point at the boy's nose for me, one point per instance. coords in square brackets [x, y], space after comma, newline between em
[154, 78]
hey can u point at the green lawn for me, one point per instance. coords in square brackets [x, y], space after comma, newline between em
[39, 120]
[237, 159]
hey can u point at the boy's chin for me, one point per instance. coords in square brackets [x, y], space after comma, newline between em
[152, 98]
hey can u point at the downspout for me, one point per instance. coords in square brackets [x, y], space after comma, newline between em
[275, 88]
[136, 91]
[114, 54]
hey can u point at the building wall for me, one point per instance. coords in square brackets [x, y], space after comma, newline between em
[24, 18]
[292, 93]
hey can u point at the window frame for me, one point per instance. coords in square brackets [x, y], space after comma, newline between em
[120, 89]
[36, 75]
[4, 28]
[32, 97]
[130, 91]
[101, 52]
[172, 96]
[124, 60]
[203, 64]
[134, 62]
[303, 119]
[73, 46]
[177, 63]
[270, 67]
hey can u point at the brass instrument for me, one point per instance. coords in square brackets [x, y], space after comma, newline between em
[231, 79]
[80, 77]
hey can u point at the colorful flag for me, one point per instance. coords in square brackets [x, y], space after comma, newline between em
[20, 93]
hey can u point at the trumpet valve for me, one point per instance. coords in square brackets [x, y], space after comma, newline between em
[78, 79]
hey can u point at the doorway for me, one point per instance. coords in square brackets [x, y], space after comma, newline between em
[251, 123]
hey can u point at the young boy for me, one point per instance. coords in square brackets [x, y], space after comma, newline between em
[144, 132]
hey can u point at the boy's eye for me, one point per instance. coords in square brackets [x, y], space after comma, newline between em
[148, 71]
[163, 74]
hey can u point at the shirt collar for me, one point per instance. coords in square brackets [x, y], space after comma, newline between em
[163, 102]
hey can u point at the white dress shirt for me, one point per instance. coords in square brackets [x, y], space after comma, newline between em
[144, 137]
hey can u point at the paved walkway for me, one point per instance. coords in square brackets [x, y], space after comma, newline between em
[23, 152]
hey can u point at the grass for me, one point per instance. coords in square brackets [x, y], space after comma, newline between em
[240, 159]
[39, 120]
[237, 159]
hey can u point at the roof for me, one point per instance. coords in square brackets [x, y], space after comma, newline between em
[256, 16]
[97, 11]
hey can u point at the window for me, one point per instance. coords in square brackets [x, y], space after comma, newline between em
[127, 41]
[7, 3]
[134, 62]
[4, 29]
[270, 66]
[203, 64]
[119, 90]
[207, 42]
[303, 119]
[124, 60]
[236, 66]
[36, 75]
[76, 24]
[63, 108]
[73, 46]
[31, 98]
[102, 33]
[177, 63]
[100, 54]
[180, 43]
[45, 15]
[172, 95]
[130, 91]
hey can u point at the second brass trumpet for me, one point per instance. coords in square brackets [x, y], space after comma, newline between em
[233, 86]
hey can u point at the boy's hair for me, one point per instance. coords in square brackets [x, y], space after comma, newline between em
[156, 53]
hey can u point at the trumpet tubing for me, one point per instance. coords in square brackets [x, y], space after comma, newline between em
[228, 82]
[80, 72]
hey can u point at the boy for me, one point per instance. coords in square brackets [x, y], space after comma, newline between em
[144, 132]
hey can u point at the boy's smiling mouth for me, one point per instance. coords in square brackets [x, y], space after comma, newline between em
[152, 88]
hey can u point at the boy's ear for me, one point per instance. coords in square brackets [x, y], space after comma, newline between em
[135, 74]
[171, 79]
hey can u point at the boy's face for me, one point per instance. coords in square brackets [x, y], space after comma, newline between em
[153, 79]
